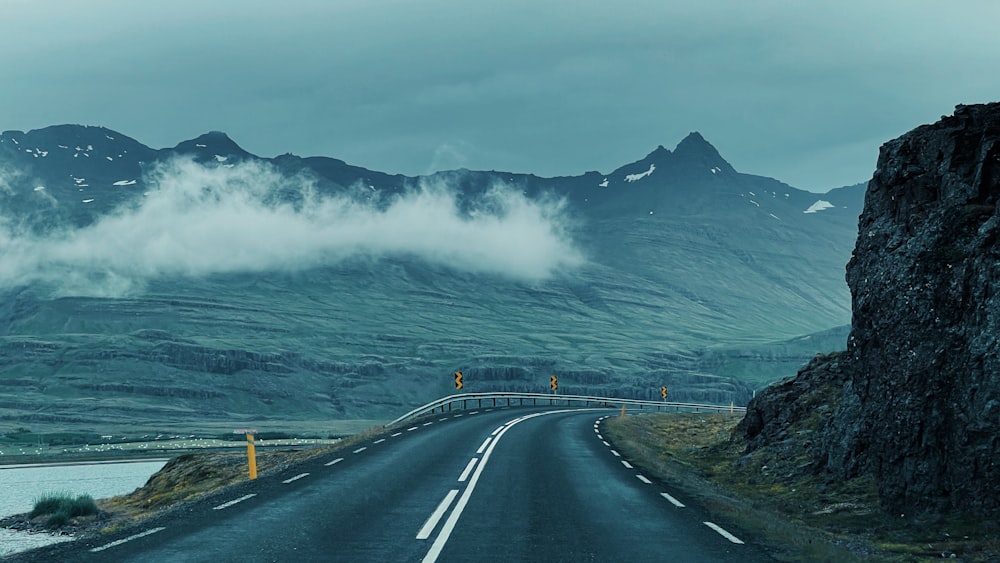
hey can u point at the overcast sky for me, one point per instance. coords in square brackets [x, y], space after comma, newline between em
[801, 90]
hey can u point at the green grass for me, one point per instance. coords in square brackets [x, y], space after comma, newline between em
[61, 508]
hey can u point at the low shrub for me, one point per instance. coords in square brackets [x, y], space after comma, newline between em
[62, 507]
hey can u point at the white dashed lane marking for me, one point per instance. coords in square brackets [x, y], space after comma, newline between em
[723, 533]
[615, 453]
[672, 500]
[468, 470]
[483, 447]
[338, 460]
[128, 539]
[235, 501]
[411, 429]
[379, 441]
[605, 443]
[643, 479]
[296, 478]
[627, 464]
[435, 517]
[396, 434]
[361, 449]
[428, 423]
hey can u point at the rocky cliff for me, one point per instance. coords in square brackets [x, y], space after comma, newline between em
[919, 405]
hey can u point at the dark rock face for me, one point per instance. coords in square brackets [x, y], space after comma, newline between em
[920, 399]
[925, 281]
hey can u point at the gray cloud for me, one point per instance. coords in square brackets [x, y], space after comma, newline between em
[197, 221]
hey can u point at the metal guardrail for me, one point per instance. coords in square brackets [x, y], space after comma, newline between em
[479, 400]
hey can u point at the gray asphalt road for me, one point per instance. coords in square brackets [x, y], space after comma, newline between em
[490, 485]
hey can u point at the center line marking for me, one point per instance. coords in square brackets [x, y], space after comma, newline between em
[643, 479]
[497, 431]
[672, 500]
[232, 502]
[449, 525]
[338, 460]
[435, 517]
[428, 423]
[468, 469]
[474, 412]
[482, 448]
[456, 416]
[626, 464]
[361, 449]
[396, 434]
[296, 478]
[411, 429]
[723, 533]
[130, 538]
[442, 419]
[379, 441]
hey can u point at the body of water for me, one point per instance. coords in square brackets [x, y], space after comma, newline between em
[22, 485]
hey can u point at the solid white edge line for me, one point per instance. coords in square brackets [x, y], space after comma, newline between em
[672, 500]
[497, 431]
[483, 447]
[468, 469]
[379, 441]
[361, 449]
[235, 501]
[627, 464]
[128, 539]
[338, 460]
[643, 479]
[296, 478]
[723, 533]
[435, 517]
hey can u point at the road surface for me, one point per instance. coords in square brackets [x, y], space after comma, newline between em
[489, 485]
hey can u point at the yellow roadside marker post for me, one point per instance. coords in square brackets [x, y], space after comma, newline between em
[251, 456]
[623, 410]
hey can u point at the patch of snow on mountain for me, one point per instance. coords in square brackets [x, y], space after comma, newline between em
[715, 170]
[88, 200]
[219, 158]
[39, 188]
[124, 183]
[773, 215]
[15, 141]
[820, 205]
[755, 203]
[200, 146]
[110, 137]
[753, 194]
[634, 177]
[109, 158]
[62, 146]
[603, 184]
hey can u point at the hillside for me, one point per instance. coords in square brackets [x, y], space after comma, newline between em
[201, 284]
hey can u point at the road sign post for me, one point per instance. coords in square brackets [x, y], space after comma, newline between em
[553, 383]
[663, 392]
[458, 380]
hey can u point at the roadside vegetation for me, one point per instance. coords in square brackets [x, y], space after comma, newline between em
[775, 496]
[60, 508]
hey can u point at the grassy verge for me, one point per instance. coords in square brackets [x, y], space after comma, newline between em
[774, 495]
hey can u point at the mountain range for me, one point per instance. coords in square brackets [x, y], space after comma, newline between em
[200, 285]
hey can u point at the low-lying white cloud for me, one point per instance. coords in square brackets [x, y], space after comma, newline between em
[200, 220]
